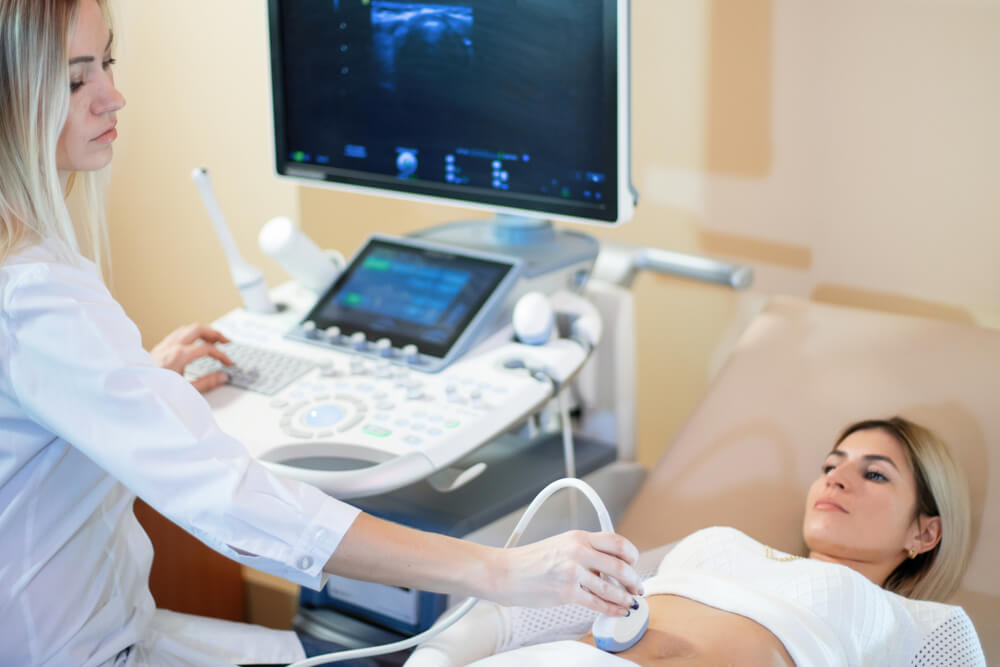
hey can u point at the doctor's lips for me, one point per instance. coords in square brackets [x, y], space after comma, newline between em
[828, 505]
[108, 135]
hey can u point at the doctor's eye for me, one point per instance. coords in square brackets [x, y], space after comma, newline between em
[108, 63]
[827, 467]
[74, 86]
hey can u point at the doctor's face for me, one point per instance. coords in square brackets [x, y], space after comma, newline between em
[85, 142]
[862, 508]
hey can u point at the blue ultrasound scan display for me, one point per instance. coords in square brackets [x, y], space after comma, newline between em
[484, 99]
[409, 295]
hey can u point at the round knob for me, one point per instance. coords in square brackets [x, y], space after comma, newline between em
[333, 334]
[309, 329]
[323, 415]
[411, 354]
[359, 341]
[383, 346]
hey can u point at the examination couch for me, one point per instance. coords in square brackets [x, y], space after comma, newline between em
[800, 373]
[797, 376]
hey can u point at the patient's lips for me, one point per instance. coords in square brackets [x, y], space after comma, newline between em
[829, 505]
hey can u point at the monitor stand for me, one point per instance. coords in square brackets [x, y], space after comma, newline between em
[538, 243]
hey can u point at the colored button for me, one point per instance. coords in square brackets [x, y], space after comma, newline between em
[376, 430]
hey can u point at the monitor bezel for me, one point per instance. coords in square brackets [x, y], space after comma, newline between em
[625, 193]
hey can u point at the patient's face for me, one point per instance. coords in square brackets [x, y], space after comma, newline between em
[861, 510]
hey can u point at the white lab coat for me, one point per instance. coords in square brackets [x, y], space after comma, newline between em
[87, 422]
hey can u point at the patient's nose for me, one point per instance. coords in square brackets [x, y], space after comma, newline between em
[836, 478]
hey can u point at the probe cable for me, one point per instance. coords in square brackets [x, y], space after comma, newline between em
[451, 619]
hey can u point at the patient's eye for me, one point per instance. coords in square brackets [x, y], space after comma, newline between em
[827, 467]
[876, 476]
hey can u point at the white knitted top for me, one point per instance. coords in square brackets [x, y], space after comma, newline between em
[823, 613]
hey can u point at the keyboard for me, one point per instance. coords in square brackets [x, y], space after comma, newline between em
[255, 368]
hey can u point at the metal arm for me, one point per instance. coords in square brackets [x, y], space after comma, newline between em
[619, 264]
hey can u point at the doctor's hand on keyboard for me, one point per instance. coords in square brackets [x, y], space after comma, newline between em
[253, 368]
[188, 343]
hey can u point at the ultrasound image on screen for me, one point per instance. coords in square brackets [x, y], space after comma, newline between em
[410, 38]
[490, 97]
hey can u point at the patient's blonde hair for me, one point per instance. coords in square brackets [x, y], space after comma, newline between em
[34, 99]
[941, 491]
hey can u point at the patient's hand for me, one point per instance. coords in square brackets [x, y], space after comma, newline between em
[188, 343]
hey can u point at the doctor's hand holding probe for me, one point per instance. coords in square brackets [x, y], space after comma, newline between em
[89, 421]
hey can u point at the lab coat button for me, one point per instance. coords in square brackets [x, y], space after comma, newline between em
[305, 562]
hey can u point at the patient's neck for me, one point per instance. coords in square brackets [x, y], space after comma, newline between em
[876, 572]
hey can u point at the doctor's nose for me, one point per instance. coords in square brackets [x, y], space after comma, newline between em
[109, 100]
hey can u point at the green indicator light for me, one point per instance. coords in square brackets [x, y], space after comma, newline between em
[565, 192]
[354, 299]
[376, 264]
[299, 156]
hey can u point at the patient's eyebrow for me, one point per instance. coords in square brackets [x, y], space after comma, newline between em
[90, 59]
[866, 457]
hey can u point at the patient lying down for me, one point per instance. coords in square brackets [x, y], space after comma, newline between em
[887, 531]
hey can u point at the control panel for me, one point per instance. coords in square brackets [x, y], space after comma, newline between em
[412, 302]
[404, 366]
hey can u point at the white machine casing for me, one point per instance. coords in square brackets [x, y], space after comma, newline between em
[396, 425]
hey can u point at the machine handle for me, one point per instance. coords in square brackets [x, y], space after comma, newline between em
[695, 267]
[619, 264]
[373, 480]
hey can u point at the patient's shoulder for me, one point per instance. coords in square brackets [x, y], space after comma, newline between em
[947, 633]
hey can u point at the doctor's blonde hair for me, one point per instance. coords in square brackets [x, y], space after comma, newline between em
[35, 99]
[941, 491]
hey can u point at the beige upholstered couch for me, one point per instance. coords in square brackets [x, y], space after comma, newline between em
[799, 374]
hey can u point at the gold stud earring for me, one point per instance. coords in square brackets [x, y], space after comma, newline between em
[913, 554]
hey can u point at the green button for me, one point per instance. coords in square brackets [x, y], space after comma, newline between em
[452, 423]
[376, 430]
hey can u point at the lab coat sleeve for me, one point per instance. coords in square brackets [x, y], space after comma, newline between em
[78, 368]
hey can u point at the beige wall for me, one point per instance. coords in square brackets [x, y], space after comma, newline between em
[195, 76]
[846, 149]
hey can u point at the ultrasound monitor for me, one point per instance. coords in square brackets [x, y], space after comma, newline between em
[516, 106]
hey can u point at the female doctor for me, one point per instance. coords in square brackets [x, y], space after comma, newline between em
[89, 420]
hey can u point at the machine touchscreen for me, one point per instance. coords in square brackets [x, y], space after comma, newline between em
[412, 293]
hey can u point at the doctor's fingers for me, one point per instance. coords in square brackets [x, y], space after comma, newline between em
[193, 332]
[209, 382]
[602, 596]
[615, 545]
[598, 562]
[176, 357]
[204, 349]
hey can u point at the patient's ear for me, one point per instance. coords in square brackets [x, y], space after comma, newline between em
[928, 533]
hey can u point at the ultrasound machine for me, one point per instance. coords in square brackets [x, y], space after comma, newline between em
[402, 385]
